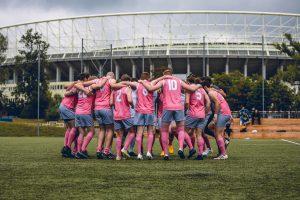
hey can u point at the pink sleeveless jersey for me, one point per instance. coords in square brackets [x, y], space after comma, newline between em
[70, 101]
[85, 104]
[144, 104]
[102, 96]
[172, 94]
[121, 105]
[224, 107]
[197, 104]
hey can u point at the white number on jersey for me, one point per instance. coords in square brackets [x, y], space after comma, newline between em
[198, 95]
[118, 98]
[145, 92]
[172, 84]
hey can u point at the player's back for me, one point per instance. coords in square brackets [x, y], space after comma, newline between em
[172, 94]
[197, 103]
[70, 101]
[121, 104]
[144, 104]
[102, 96]
[84, 104]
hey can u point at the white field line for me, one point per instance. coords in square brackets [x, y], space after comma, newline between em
[290, 141]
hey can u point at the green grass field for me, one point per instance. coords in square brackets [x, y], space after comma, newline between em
[31, 168]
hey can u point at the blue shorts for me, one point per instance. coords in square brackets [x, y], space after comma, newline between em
[222, 120]
[123, 124]
[66, 114]
[143, 119]
[104, 117]
[193, 122]
[84, 121]
[170, 115]
[157, 122]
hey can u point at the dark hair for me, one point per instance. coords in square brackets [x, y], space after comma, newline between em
[83, 76]
[134, 79]
[206, 81]
[191, 79]
[125, 77]
[168, 71]
[145, 76]
[198, 80]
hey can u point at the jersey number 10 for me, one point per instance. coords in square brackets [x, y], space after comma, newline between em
[172, 84]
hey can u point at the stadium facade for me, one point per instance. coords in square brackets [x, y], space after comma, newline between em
[199, 42]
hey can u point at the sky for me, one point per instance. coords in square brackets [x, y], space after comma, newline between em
[20, 11]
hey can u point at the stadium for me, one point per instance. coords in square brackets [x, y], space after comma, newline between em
[198, 42]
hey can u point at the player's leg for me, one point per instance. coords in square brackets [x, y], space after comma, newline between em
[219, 131]
[149, 122]
[165, 124]
[139, 141]
[119, 143]
[128, 124]
[89, 124]
[180, 119]
[200, 144]
[82, 132]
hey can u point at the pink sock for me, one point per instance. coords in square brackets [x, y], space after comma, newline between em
[139, 141]
[67, 133]
[79, 142]
[161, 144]
[221, 145]
[188, 140]
[165, 139]
[128, 140]
[206, 140]
[200, 145]
[87, 140]
[119, 145]
[181, 135]
[106, 151]
[71, 138]
[150, 141]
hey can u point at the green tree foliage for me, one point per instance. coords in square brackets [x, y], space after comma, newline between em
[26, 63]
[292, 49]
[52, 113]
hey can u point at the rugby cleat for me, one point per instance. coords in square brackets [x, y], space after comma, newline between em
[181, 154]
[227, 141]
[191, 152]
[64, 152]
[199, 157]
[149, 156]
[125, 153]
[83, 154]
[118, 158]
[221, 157]
[207, 152]
[166, 157]
[109, 156]
[140, 157]
[131, 153]
[100, 155]
[171, 149]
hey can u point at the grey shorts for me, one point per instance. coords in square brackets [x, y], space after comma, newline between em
[193, 122]
[143, 119]
[170, 115]
[104, 117]
[84, 121]
[157, 122]
[222, 120]
[66, 114]
[123, 124]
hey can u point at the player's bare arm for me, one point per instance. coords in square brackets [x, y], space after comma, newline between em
[151, 87]
[101, 84]
[191, 88]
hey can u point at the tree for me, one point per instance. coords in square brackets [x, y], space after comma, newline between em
[52, 113]
[26, 63]
[292, 49]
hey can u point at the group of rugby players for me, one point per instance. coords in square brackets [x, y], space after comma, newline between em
[189, 110]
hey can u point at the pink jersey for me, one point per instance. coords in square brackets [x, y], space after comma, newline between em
[172, 94]
[84, 104]
[144, 104]
[70, 101]
[102, 96]
[197, 104]
[121, 104]
[224, 107]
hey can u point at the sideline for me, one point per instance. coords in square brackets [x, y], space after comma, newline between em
[290, 141]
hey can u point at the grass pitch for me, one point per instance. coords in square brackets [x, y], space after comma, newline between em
[31, 168]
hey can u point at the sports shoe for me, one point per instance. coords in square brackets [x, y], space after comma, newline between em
[181, 154]
[206, 152]
[166, 157]
[64, 152]
[149, 156]
[100, 155]
[140, 157]
[191, 152]
[162, 153]
[109, 156]
[78, 156]
[118, 158]
[125, 153]
[131, 153]
[221, 157]
[199, 157]
[171, 149]
[83, 154]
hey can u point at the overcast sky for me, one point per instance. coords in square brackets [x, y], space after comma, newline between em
[19, 11]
